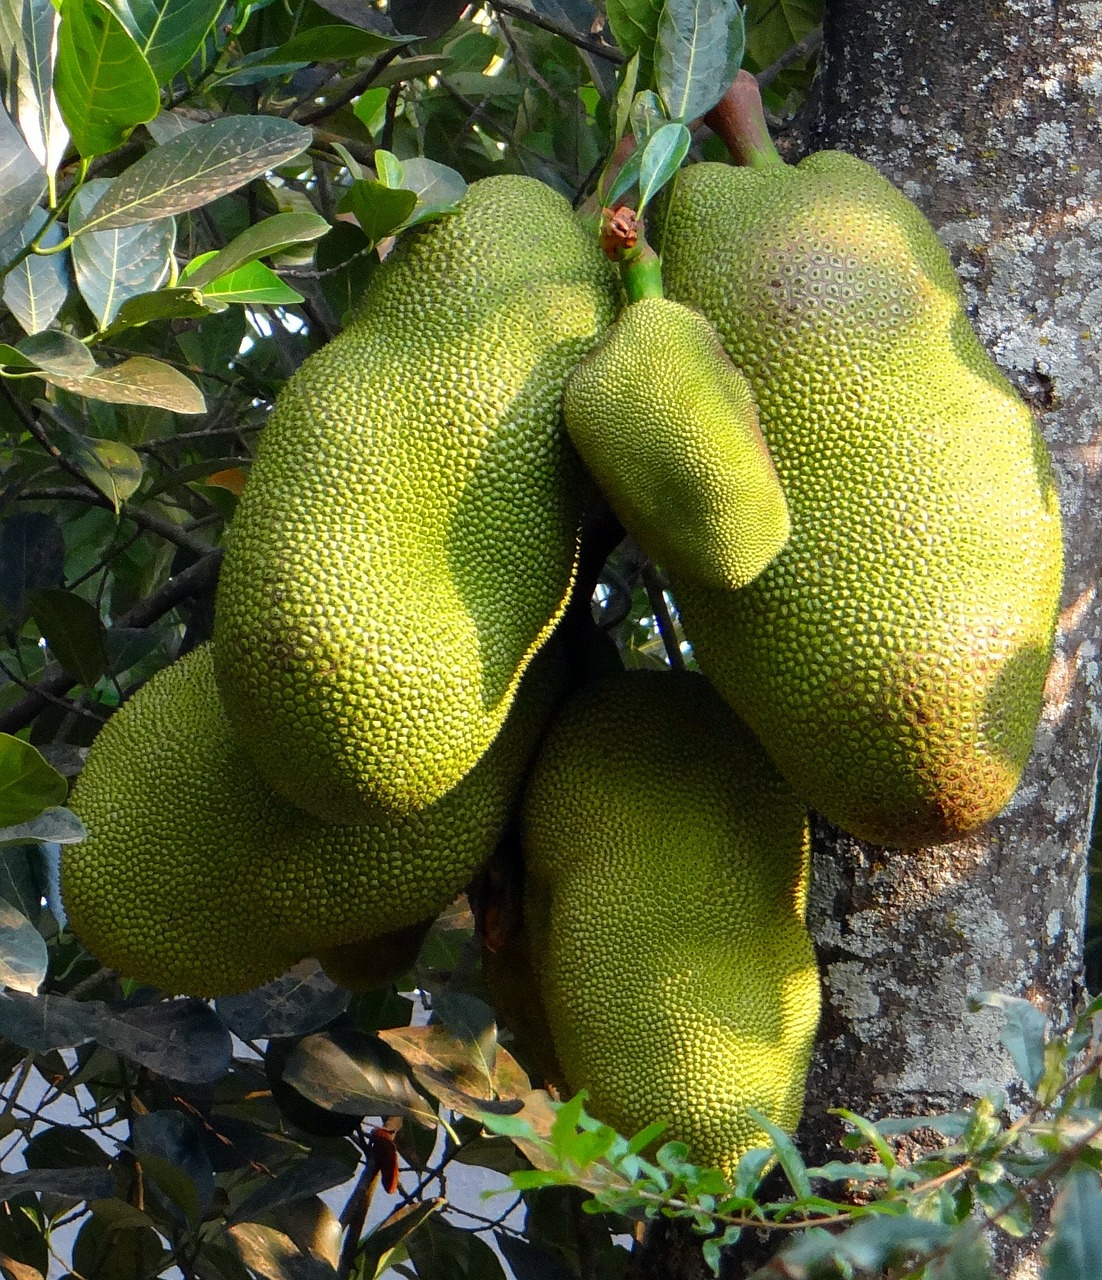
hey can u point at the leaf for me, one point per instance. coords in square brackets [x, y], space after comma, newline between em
[181, 1039]
[77, 1184]
[666, 148]
[334, 42]
[37, 288]
[625, 179]
[531, 1260]
[27, 783]
[64, 1147]
[58, 353]
[270, 236]
[41, 1023]
[112, 467]
[393, 1230]
[73, 630]
[32, 554]
[627, 78]
[439, 189]
[294, 1005]
[138, 380]
[647, 115]
[789, 1158]
[307, 1177]
[172, 1138]
[28, 31]
[164, 304]
[197, 167]
[388, 167]
[380, 210]
[634, 26]
[22, 182]
[1075, 1250]
[406, 69]
[355, 1074]
[445, 1252]
[699, 51]
[23, 956]
[449, 1069]
[103, 83]
[168, 32]
[1022, 1032]
[274, 1256]
[253, 283]
[112, 266]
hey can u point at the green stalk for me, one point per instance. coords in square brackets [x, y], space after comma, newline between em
[641, 273]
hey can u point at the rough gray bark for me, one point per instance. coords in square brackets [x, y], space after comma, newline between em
[988, 116]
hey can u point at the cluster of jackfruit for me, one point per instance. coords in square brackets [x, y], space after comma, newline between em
[861, 529]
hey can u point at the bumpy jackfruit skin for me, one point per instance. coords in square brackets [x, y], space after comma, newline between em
[668, 428]
[667, 865]
[198, 879]
[892, 658]
[407, 537]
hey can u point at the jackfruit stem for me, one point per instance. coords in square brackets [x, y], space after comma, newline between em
[739, 119]
[641, 273]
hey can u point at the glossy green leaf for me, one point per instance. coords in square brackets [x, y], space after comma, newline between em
[334, 42]
[22, 183]
[666, 148]
[168, 32]
[253, 283]
[28, 48]
[27, 783]
[112, 467]
[272, 235]
[36, 289]
[181, 1039]
[270, 1254]
[112, 266]
[388, 167]
[164, 304]
[446, 1252]
[294, 1005]
[634, 26]
[627, 80]
[439, 189]
[789, 1158]
[699, 51]
[103, 82]
[41, 1023]
[138, 380]
[394, 1229]
[73, 632]
[307, 1177]
[626, 178]
[1075, 1250]
[197, 167]
[23, 956]
[647, 115]
[380, 210]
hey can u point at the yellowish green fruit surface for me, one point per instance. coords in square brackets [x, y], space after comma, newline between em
[892, 658]
[667, 865]
[667, 426]
[407, 537]
[198, 879]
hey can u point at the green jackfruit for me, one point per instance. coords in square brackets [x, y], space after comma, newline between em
[667, 426]
[892, 658]
[198, 879]
[407, 537]
[667, 865]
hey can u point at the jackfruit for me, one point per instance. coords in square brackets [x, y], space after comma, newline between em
[667, 864]
[198, 879]
[892, 658]
[407, 538]
[668, 428]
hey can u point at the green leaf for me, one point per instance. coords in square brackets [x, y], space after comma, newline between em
[870, 1133]
[253, 283]
[23, 955]
[294, 1005]
[58, 353]
[78, 1184]
[164, 304]
[439, 189]
[112, 266]
[138, 380]
[274, 1256]
[380, 210]
[625, 179]
[57, 825]
[406, 69]
[309, 1177]
[444, 1252]
[181, 1039]
[334, 42]
[170, 1147]
[627, 79]
[112, 467]
[789, 1158]
[36, 289]
[393, 1230]
[28, 30]
[22, 182]
[388, 167]
[647, 115]
[32, 554]
[1075, 1251]
[272, 235]
[73, 631]
[103, 83]
[196, 168]
[634, 26]
[1022, 1032]
[168, 32]
[27, 783]
[699, 51]
[41, 1023]
[666, 148]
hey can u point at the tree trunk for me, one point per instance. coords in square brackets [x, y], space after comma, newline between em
[987, 116]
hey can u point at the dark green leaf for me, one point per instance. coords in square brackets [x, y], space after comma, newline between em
[380, 210]
[665, 149]
[174, 1139]
[23, 956]
[73, 631]
[28, 47]
[79, 1184]
[334, 42]
[647, 115]
[356, 1074]
[1022, 1032]
[270, 236]
[41, 1023]
[37, 288]
[27, 783]
[634, 26]
[474, 1024]
[196, 168]
[274, 1256]
[112, 266]
[58, 353]
[165, 304]
[118, 1241]
[406, 69]
[627, 79]
[305, 1178]
[64, 1147]
[438, 188]
[22, 183]
[393, 1230]
[1075, 1251]
[32, 554]
[530, 1260]
[294, 1005]
[168, 32]
[104, 84]
[23, 875]
[138, 380]
[699, 51]
[625, 179]
[445, 1252]
[181, 1039]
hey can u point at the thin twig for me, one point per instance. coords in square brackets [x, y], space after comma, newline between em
[355, 87]
[810, 44]
[137, 515]
[609, 52]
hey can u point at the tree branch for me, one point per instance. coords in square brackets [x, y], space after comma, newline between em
[598, 47]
